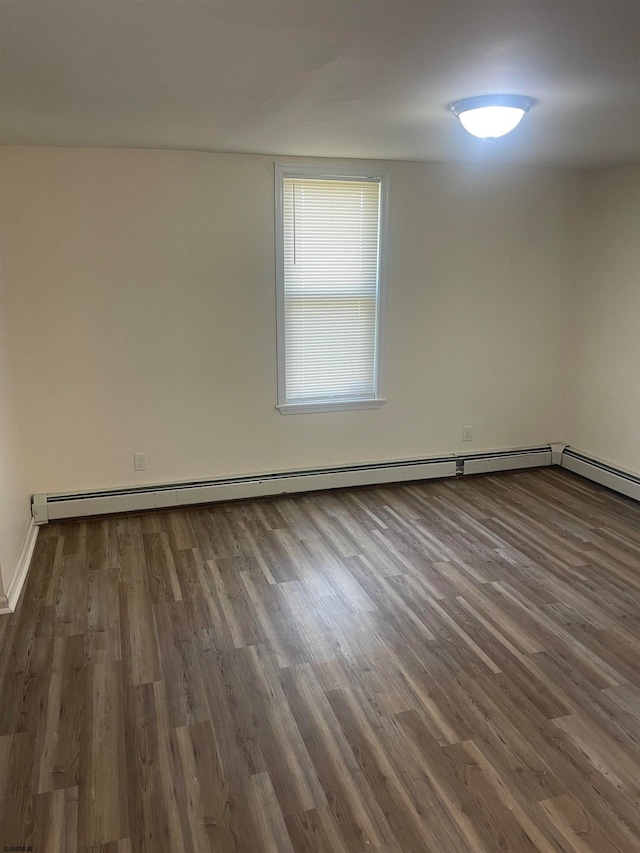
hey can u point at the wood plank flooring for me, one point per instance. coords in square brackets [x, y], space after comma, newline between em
[442, 666]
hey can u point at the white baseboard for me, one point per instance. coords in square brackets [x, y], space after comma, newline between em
[108, 501]
[508, 461]
[20, 572]
[625, 482]
[48, 507]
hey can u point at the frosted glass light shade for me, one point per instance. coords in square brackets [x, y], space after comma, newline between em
[491, 116]
[491, 122]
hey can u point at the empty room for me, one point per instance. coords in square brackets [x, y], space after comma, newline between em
[320, 426]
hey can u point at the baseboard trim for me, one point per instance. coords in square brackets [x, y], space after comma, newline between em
[49, 507]
[167, 495]
[617, 479]
[508, 461]
[21, 570]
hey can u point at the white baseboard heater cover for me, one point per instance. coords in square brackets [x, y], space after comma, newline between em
[57, 506]
[511, 460]
[624, 482]
[50, 507]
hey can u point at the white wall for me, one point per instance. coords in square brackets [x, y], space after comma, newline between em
[137, 312]
[142, 289]
[15, 488]
[605, 420]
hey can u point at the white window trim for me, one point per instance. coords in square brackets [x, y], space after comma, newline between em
[301, 170]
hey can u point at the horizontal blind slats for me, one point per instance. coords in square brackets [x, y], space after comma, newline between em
[331, 260]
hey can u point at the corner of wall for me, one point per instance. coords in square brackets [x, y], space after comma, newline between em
[15, 493]
[603, 392]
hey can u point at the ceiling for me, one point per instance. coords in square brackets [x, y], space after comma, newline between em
[334, 78]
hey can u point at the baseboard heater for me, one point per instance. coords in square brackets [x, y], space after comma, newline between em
[619, 480]
[49, 507]
[509, 460]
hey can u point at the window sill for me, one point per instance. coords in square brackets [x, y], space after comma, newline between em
[341, 406]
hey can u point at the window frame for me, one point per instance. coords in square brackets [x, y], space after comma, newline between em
[328, 172]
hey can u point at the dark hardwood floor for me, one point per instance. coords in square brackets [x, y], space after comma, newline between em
[441, 666]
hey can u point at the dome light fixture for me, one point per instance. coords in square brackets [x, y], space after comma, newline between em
[491, 116]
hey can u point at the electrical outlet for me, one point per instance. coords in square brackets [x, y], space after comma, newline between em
[467, 433]
[139, 461]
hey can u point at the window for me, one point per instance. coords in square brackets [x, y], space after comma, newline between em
[328, 247]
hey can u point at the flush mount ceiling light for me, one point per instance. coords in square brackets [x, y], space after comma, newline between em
[490, 116]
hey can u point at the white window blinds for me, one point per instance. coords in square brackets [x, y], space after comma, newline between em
[330, 288]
